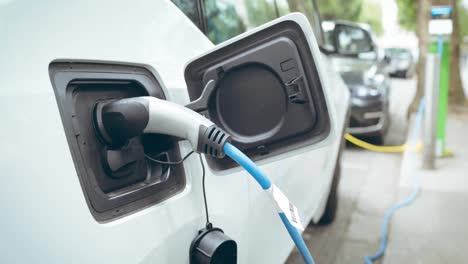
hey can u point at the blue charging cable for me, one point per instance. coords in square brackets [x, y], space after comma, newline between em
[266, 185]
[406, 202]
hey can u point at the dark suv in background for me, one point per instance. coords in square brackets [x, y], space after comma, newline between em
[364, 70]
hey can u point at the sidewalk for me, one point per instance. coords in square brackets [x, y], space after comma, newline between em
[368, 187]
[433, 229]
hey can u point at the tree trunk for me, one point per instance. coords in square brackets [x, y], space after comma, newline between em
[456, 94]
[424, 7]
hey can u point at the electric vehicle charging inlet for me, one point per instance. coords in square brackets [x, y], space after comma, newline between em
[118, 121]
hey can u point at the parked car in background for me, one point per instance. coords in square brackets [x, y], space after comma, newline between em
[71, 198]
[362, 66]
[401, 62]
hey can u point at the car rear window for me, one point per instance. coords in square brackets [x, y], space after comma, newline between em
[190, 9]
[226, 19]
[306, 7]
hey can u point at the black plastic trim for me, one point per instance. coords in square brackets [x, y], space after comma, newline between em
[126, 194]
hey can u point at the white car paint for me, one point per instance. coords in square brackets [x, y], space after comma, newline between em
[45, 218]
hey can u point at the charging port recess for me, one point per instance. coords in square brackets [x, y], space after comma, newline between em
[116, 180]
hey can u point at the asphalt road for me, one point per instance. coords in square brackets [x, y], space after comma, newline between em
[368, 186]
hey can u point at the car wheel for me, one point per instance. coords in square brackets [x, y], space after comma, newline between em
[332, 201]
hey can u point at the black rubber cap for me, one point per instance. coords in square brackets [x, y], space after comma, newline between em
[212, 246]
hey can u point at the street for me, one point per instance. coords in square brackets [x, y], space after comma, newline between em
[369, 185]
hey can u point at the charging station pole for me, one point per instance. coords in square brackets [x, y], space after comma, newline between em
[440, 48]
[440, 28]
[431, 91]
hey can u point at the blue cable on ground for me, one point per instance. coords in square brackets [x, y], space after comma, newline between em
[406, 202]
[266, 184]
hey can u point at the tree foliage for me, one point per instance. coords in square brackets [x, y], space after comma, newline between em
[371, 14]
[412, 11]
[463, 20]
[340, 9]
[260, 11]
[364, 11]
[407, 14]
[456, 93]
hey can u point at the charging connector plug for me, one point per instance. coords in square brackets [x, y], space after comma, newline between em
[117, 121]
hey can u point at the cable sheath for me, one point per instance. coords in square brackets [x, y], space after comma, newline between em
[298, 241]
[266, 184]
[247, 164]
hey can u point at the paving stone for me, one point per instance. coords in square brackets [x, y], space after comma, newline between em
[433, 228]
[353, 252]
[420, 249]
[364, 228]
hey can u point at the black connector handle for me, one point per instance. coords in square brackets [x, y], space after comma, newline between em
[211, 141]
[117, 121]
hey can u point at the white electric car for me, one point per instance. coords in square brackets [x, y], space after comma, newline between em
[70, 198]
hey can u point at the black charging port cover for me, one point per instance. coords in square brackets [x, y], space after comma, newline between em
[264, 90]
[212, 246]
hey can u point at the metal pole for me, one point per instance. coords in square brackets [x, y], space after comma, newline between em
[431, 87]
